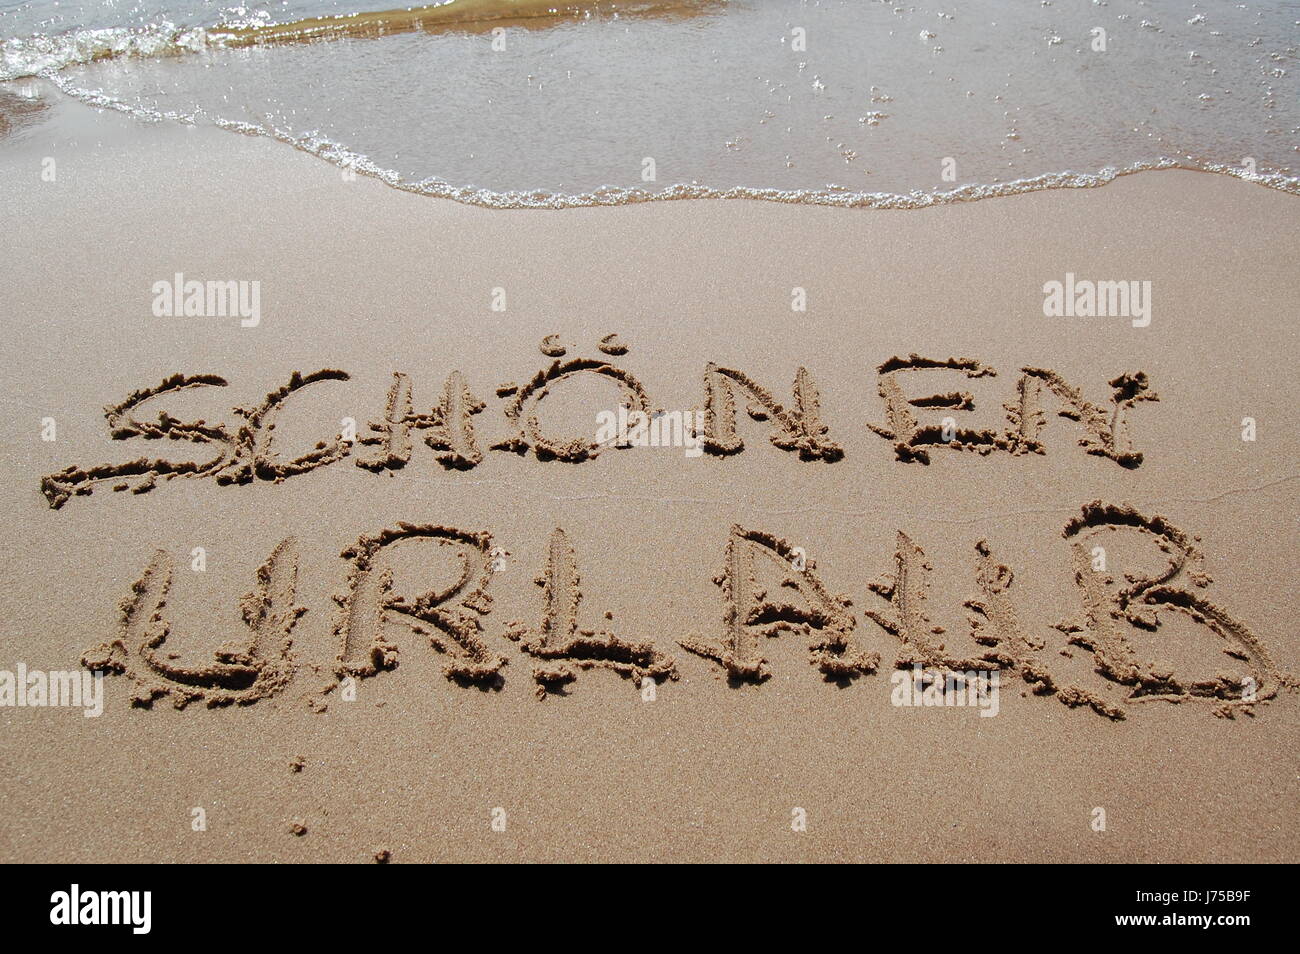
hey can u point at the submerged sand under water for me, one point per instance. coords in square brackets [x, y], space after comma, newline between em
[840, 103]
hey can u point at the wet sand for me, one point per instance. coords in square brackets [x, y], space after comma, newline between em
[553, 731]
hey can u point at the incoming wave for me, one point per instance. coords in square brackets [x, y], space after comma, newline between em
[43, 54]
[470, 16]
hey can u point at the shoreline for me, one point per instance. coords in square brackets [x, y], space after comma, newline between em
[351, 165]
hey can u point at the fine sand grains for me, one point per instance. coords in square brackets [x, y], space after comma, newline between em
[754, 612]
[1105, 434]
[564, 647]
[449, 617]
[244, 671]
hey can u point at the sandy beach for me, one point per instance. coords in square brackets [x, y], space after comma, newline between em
[602, 748]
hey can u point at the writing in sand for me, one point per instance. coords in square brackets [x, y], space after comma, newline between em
[769, 588]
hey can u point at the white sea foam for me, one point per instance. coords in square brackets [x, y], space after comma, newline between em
[43, 55]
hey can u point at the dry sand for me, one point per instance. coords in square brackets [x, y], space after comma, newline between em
[359, 278]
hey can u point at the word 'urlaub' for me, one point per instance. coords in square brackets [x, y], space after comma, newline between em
[246, 452]
[769, 589]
